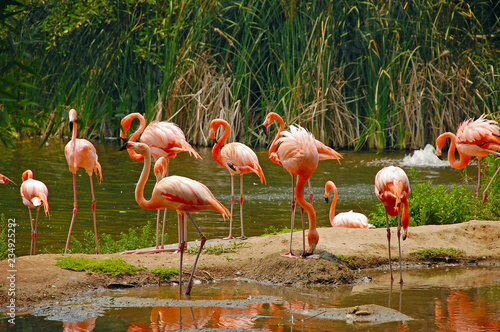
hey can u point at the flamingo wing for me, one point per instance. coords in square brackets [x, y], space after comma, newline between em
[242, 159]
[166, 139]
[391, 187]
[295, 145]
[326, 152]
[35, 194]
[351, 220]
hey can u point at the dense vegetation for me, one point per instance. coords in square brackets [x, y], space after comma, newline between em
[358, 74]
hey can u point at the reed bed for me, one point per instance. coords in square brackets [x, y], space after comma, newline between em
[357, 74]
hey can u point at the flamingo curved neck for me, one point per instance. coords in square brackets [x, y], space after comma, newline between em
[220, 142]
[139, 189]
[133, 154]
[464, 159]
[274, 144]
[334, 204]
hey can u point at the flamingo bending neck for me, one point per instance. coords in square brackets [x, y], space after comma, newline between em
[464, 159]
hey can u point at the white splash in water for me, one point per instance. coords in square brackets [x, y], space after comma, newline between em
[425, 157]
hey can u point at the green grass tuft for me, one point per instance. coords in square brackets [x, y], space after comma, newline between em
[110, 266]
[219, 249]
[165, 273]
[439, 253]
[271, 230]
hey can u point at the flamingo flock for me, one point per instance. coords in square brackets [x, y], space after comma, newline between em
[295, 149]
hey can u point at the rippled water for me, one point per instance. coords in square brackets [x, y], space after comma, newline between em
[117, 211]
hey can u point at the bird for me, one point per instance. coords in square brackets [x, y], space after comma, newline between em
[165, 139]
[178, 193]
[345, 219]
[392, 188]
[80, 153]
[5, 180]
[324, 153]
[236, 158]
[297, 153]
[35, 195]
[474, 138]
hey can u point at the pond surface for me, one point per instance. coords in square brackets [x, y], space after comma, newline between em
[452, 298]
[117, 211]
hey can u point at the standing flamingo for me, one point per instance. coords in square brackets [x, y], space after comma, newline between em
[165, 139]
[324, 153]
[178, 193]
[5, 180]
[80, 153]
[236, 158]
[34, 194]
[298, 155]
[345, 219]
[473, 139]
[392, 188]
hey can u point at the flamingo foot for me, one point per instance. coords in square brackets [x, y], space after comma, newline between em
[229, 237]
[243, 237]
[290, 255]
[485, 196]
[307, 255]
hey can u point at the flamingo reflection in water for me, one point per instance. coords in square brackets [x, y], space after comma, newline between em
[86, 326]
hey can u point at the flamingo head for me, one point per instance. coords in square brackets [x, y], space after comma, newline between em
[405, 233]
[28, 174]
[72, 115]
[329, 186]
[138, 147]
[161, 167]
[5, 180]
[270, 118]
[214, 126]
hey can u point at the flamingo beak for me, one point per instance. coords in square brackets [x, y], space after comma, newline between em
[124, 146]
[326, 199]
[405, 233]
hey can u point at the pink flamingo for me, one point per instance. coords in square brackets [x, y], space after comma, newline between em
[80, 153]
[473, 139]
[5, 180]
[345, 219]
[178, 193]
[392, 188]
[236, 158]
[165, 139]
[324, 153]
[298, 155]
[34, 194]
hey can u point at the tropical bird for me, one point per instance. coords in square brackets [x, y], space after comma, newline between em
[236, 158]
[298, 155]
[5, 180]
[80, 153]
[345, 219]
[178, 193]
[392, 188]
[165, 139]
[324, 153]
[34, 194]
[473, 139]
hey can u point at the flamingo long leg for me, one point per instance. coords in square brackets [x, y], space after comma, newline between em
[478, 177]
[35, 234]
[182, 243]
[163, 228]
[389, 242]
[485, 192]
[399, 244]
[243, 237]
[202, 243]
[31, 221]
[75, 209]
[230, 236]
[157, 227]
[292, 221]
[93, 214]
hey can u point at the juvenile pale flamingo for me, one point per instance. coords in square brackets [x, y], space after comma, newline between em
[165, 139]
[80, 153]
[473, 139]
[34, 194]
[236, 158]
[324, 153]
[298, 155]
[392, 188]
[345, 219]
[5, 180]
[178, 193]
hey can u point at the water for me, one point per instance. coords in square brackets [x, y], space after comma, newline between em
[117, 211]
[451, 298]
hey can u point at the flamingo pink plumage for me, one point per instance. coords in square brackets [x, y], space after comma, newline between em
[298, 155]
[178, 193]
[165, 139]
[5, 180]
[392, 188]
[236, 158]
[345, 219]
[473, 139]
[35, 195]
[80, 153]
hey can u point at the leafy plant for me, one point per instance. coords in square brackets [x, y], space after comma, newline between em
[110, 266]
[271, 230]
[165, 273]
[218, 249]
[3, 237]
[439, 253]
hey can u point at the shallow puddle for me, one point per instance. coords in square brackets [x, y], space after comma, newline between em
[451, 298]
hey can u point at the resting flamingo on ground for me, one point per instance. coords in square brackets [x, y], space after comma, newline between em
[324, 153]
[473, 139]
[5, 180]
[392, 188]
[178, 193]
[345, 219]
[236, 158]
[34, 194]
[165, 139]
[80, 153]
[298, 155]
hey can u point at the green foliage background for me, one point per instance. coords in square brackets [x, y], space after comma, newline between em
[358, 74]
